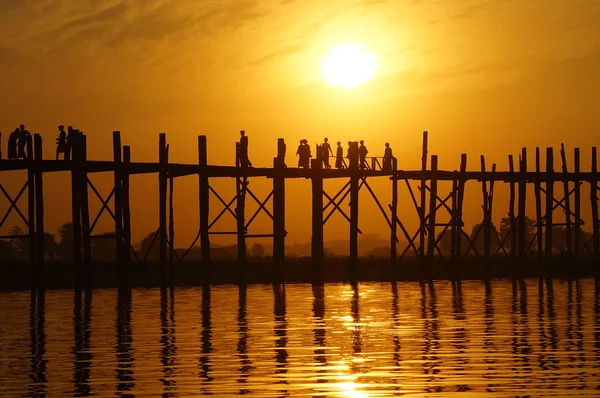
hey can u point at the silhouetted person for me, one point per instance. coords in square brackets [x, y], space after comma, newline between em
[339, 156]
[70, 139]
[22, 142]
[244, 160]
[388, 158]
[362, 154]
[304, 155]
[281, 149]
[61, 142]
[325, 152]
[12, 145]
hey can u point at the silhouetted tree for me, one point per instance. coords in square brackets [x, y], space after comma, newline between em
[65, 246]
[20, 245]
[257, 250]
[50, 246]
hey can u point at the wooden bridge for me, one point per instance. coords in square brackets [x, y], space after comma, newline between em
[553, 190]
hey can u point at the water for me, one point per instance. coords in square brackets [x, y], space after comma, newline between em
[501, 339]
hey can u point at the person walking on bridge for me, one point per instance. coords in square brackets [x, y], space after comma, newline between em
[22, 142]
[388, 158]
[12, 145]
[325, 152]
[244, 160]
[339, 156]
[362, 154]
[61, 142]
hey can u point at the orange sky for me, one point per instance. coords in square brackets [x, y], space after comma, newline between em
[482, 77]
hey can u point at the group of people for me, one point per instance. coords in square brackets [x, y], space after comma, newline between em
[64, 141]
[17, 143]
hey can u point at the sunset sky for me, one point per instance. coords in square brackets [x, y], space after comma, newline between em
[484, 77]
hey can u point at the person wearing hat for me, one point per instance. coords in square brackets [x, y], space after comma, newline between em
[387, 158]
[61, 142]
[244, 160]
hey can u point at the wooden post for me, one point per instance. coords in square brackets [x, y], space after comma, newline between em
[39, 205]
[511, 208]
[432, 209]
[171, 226]
[86, 243]
[549, 200]
[422, 225]
[487, 225]
[278, 219]
[538, 206]
[204, 193]
[76, 190]
[317, 220]
[126, 205]
[453, 221]
[460, 196]
[394, 221]
[241, 182]
[594, 202]
[522, 197]
[354, 177]
[117, 155]
[577, 198]
[567, 200]
[162, 202]
[31, 201]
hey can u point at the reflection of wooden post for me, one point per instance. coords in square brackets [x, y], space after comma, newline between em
[432, 208]
[577, 197]
[422, 226]
[567, 199]
[86, 243]
[204, 206]
[278, 218]
[39, 205]
[549, 200]
[117, 155]
[126, 206]
[162, 202]
[317, 220]
[511, 208]
[354, 167]
[594, 202]
[538, 206]
[522, 197]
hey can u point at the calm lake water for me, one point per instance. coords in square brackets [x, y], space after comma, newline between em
[471, 339]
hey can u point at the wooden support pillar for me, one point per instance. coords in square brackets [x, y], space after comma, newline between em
[354, 178]
[278, 219]
[31, 201]
[76, 190]
[394, 221]
[460, 197]
[204, 194]
[171, 226]
[432, 209]
[39, 206]
[511, 209]
[487, 227]
[117, 156]
[126, 205]
[422, 224]
[86, 243]
[594, 203]
[522, 220]
[453, 222]
[538, 207]
[577, 204]
[240, 212]
[317, 221]
[567, 200]
[549, 200]
[162, 202]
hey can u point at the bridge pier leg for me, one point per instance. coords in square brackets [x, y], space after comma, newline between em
[117, 155]
[521, 244]
[354, 167]
[203, 192]
[126, 207]
[422, 225]
[86, 243]
[31, 202]
[549, 201]
[162, 204]
[432, 211]
[76, 190]
[594, 203]
[394, 227]
[278, 220]
[39, 210]
[317, 222]
[240, 213]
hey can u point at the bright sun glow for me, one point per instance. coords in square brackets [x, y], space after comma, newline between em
[348, 65]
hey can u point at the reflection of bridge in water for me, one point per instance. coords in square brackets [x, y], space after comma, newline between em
[428, 201]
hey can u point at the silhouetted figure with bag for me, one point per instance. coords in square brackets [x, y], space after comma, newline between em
[22, 142]
[12, 145]
[362, 154]
[388, 158]
[61, 142]
[339, 156]
[281, 150]
[244, 160]
[325, 152]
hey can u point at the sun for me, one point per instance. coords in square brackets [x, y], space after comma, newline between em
[348, 65]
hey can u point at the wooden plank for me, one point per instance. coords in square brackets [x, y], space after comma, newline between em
[511, 210]
[567, 200]
[549, 202]
[422, 222]
[431, 245]
[126, 205]
[538, 208]
[204, 199]
[354, 187]
[577, 204]
[118, 198]
[522, 219]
